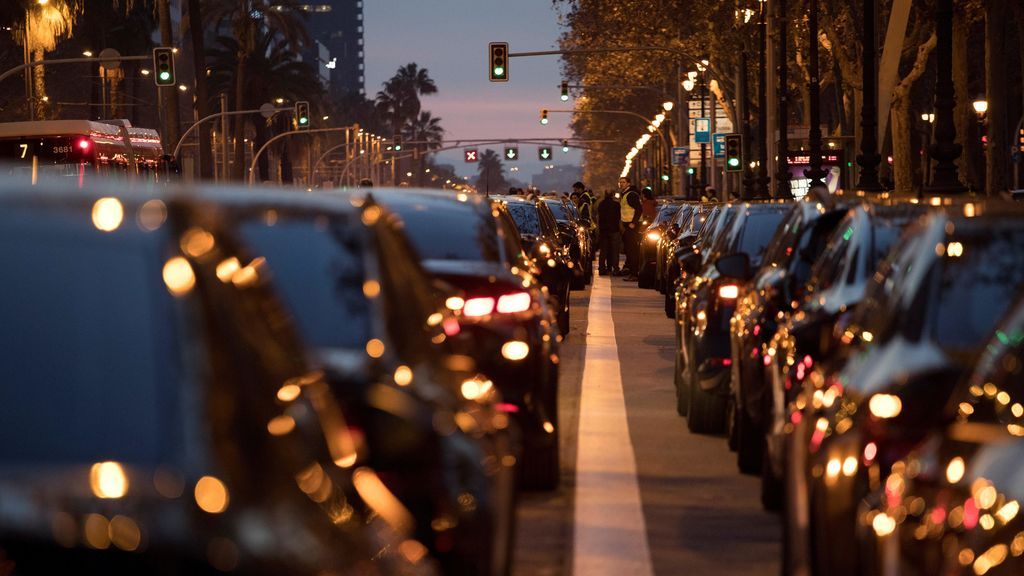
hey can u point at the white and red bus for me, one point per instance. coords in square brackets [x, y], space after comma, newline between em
[83, 149]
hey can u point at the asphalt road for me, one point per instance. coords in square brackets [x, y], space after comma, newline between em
[697, 514]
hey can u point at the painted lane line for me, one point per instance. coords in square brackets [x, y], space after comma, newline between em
[610, 532]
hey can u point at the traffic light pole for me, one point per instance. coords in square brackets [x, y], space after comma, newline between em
[256, 155]
[177, 147]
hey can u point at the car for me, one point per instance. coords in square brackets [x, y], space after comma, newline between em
[165, 417]
[576, 236]
[695, 236]
[685, 223]
[952, 506]
[649, 239]
[775, 288]
[920, 328]
[538, 233]
[710, 302]
[428, 416]
[803, 336]
[504, 312]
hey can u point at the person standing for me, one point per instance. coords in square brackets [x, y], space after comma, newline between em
[609, 238]
[631, 213]
[649, 206]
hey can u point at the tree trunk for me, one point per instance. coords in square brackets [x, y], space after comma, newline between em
[39, 86]
[963, 115]
[202, 103]
[903, 156]
[168, 95]
[996, 90]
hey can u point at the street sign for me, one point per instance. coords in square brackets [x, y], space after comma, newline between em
[267, 110]
[719, 144]
[544, 153]
[702, 130]
[681, 155]
[471, 155]
[511, 153]
[110, 59]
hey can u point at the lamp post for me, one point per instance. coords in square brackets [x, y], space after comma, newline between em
[762, 105]
[869, 158]
[944, 148]
[815, 173]
[782, 189]
[927, 119]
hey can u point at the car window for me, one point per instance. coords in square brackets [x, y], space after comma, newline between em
[89, 342]
[758, 229]
[782, 245]
[825, 272]
[526, 218]
[507, 233]
[456, 232]
[558, 209]
[317, 265]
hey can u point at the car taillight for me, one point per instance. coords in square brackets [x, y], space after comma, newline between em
[84, 144]
[475, 307]
[728, 291]
[512, 303]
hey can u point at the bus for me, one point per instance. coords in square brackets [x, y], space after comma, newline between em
[83, 150]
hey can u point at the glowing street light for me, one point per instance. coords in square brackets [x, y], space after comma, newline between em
[668, 105]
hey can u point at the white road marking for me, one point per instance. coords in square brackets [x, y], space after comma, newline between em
[610, 532]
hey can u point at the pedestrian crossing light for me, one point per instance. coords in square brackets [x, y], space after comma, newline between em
[565, 91]
[302, 114]
[544, 117]
[499, 61]
[565, 145]
[163, 66]
[733, 153]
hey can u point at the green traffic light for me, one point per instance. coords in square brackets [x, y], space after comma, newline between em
[664, 177]
[398, 146]
[165, 75]
[303, 120]
[499, 71]
[691, 171]
[734, 162]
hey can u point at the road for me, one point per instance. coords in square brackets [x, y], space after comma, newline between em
[640, 494]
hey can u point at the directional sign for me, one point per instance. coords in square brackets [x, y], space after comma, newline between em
[471, 155]
[681, 155]
[702, 130]
[719, 144]
[544, 153]
[511, 153]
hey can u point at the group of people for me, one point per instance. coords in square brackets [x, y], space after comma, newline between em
[620, 217]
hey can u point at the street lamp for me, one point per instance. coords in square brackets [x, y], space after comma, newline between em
[668, 105]
[980, 106]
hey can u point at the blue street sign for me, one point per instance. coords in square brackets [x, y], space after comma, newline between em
[681, 155]
[702, 130]
[719, 144]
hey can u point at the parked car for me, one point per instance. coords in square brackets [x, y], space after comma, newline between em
[684, 226]
[803, 336]
[505, 315]
[163, 417]
[952, 506]
[695, 237]
[426, 415]
[920, 328]
[576, 237]
[710, 303]
[649, 239]
[538, 233]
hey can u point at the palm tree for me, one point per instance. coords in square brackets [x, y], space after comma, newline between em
[399, 102]
[246, 19]
[492, 173]
[425, 128]
[271, 71]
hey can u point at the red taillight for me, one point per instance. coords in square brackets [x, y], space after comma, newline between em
[451, 327]
[84, 144]
[512, 303]
[507, 408]
[476, 307]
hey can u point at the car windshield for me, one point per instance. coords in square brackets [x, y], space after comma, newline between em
[983, 273]
[665, 214]
[453, 232]
[317, 266]
[758, 229]
[89, 345]
[526, 217]
[559, 210]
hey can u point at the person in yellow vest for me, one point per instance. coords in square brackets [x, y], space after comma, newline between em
[631, 214]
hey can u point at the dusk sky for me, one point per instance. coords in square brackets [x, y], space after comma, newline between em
[449, 38]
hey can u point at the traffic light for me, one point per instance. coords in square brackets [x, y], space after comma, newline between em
[544, 153]
[302, 114]
[398, 143]
[163, 66]
[733, 153]
[691, 171]
[565, 145]
[499, 61]
[565, 91]
[544, 117]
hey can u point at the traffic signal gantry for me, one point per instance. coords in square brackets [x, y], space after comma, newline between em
[163, 66]
[733, 153]
[499, 61]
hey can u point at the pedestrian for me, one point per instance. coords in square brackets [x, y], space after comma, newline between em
[630, 213]
[649, 206]
[609, 237]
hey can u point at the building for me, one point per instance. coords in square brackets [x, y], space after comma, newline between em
[337, 25]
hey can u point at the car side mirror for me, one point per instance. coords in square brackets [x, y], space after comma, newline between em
[735, 265]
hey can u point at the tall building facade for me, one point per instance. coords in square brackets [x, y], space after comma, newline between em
[338, 26]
